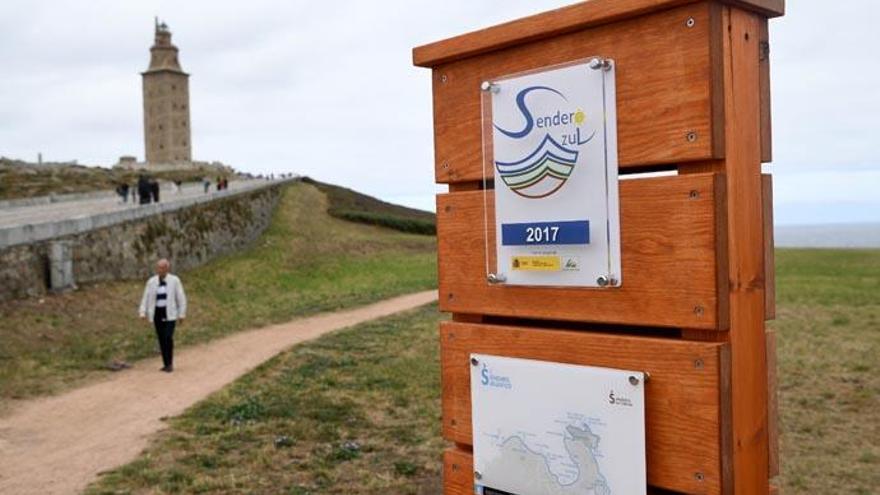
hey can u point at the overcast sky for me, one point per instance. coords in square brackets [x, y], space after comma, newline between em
[331, 91]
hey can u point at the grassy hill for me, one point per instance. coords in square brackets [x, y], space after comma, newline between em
[23, 180]
[358, 411]
[307, 261]
[356, 207]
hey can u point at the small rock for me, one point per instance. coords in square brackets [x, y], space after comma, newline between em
[282, 441]
[117, 365]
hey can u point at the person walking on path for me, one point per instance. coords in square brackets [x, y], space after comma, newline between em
[164, 304]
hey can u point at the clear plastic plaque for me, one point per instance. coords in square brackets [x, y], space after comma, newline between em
[551, 209]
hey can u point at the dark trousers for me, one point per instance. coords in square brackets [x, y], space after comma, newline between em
[165, 334]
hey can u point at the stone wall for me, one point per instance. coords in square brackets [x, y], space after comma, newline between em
[187, 236]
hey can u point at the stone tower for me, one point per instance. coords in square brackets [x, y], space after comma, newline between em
[166, 103]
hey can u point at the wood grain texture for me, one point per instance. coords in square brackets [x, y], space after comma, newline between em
[773, 403]
[684, 405]
[769, 248]
[746, 253]
[764, 81]
[664, 91]
[668, 238]
[458, 472]
[557, 22]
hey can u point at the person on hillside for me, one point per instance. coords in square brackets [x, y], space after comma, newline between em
[143, 188]
[154, 190]
[164, 304]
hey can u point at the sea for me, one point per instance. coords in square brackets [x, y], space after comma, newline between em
[837, 235]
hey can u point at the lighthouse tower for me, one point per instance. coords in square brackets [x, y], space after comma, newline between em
[166, 104]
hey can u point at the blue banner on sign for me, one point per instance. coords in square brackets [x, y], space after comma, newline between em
[543, 233]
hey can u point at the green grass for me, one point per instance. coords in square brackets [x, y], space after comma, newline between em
[284, 427]
[356, 411]
[306, 262]
[828, 324]
[353, 206]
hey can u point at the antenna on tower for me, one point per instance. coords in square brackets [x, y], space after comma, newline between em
[156, 19]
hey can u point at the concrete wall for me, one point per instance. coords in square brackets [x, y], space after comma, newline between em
[188, 235]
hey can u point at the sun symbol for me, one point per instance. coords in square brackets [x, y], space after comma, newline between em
[579, 117]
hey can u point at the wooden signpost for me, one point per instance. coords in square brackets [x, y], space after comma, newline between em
[692, 90]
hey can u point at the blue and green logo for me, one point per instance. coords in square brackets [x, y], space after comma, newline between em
[545, 169]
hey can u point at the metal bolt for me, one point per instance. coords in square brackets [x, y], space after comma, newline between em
[699, 476]
[478, 475]
[490, 86]
[633, 381]
[496, 278]
[690, 22]
[447, 208]
[445, 165]
[450, 296]
[698, 310]
[443, 78]
[694, 194]
[474, 361]
[691, 136]
[698, 364]
[602, 281]
[600, 63]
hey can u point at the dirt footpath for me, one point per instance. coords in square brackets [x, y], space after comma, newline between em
[59, 444]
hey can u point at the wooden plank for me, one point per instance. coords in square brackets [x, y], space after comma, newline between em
[766, 119]
[773, 404]
[746, 253]
[769, 248]
[684, 396]
[668, 238]
[458, 472]
[557, 22]
[664, 83]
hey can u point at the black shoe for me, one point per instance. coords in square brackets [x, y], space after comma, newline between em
[167, 369]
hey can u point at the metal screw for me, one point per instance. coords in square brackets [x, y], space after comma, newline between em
[699, 476]
[474, 361]
[602, 281]
[633, 381]
[694, 194]
[600, 63]
[478, 475]
[447, 208]
[496, 278]
[690, 22]
[490, 86]
[698, 364]
[455, 467]
[443, 78]
[698, 310]
[450, 296]
[445, 165]
[691, 136]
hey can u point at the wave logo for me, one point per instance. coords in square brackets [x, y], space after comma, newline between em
[545, 169]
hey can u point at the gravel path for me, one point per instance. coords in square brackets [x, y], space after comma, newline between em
[53, 212]
[60, 444]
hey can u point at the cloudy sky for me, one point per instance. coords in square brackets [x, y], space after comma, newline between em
[332, 93]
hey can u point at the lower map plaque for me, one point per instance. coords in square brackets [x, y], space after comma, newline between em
[542, 428]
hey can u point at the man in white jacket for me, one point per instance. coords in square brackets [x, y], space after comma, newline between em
[164, 304]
